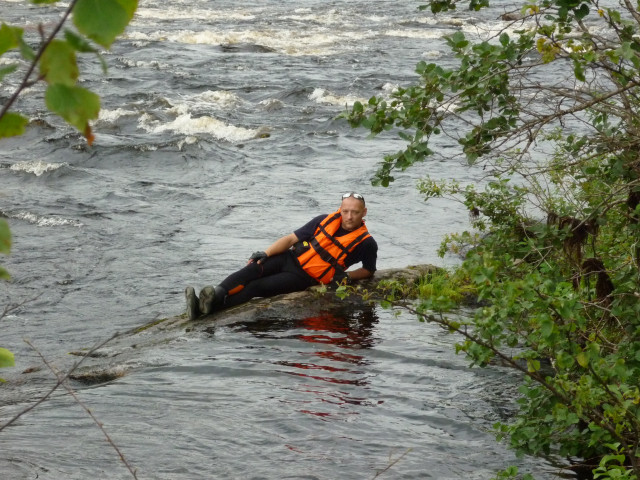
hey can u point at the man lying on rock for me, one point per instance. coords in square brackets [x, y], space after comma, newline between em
[319, 252]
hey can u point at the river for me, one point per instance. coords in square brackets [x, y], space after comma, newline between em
[218, 134]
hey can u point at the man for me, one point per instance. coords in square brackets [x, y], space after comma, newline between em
[319, 252]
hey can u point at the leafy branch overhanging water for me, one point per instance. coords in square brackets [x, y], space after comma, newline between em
[550, 108]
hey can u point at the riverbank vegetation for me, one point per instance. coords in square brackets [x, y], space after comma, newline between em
[549, 106]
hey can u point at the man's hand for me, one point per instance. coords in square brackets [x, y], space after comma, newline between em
[258, 257]
[341, 278]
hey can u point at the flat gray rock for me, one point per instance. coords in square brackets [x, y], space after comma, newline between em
[127, 350]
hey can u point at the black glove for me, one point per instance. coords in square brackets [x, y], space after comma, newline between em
[258, 257]
[341, 278]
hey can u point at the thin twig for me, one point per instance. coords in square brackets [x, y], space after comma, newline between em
[62, 380]
[25, 81]
[391, 464]
[10, 308]
[55, 387]
[592, 414]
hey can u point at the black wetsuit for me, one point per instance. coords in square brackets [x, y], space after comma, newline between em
[282, 273]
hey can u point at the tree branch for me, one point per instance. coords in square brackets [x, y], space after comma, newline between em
[62, 380]
[25, 81]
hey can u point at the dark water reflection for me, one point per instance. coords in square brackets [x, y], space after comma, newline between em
[349, 391]
[333, 352]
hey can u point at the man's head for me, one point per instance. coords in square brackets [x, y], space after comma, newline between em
[353, 210]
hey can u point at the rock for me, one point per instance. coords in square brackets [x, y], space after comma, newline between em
[123, 353]
[511, 16]
[308, 301]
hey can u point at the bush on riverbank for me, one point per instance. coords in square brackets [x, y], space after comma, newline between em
[550, 107]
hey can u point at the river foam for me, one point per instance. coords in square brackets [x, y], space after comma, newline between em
[36, 167]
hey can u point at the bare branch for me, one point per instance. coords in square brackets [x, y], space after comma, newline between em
[391, 464]
[62, 380]
[58, 383]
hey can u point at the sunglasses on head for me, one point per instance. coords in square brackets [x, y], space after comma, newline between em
[354, 195]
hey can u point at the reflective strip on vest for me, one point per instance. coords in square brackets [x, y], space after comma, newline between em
[328, 253]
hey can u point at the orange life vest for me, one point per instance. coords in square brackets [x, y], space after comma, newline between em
[327, 253]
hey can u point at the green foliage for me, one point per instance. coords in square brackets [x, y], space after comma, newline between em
[12, 124]
[511, 472]
[553, 253]
[58, 64]
[5, 245]
[6, 358]
[612, 466]
[10, 37]
[103, 20]
[444, 290]
[100, 21]
[74, 104]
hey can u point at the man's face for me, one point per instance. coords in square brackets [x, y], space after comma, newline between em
[352, 210]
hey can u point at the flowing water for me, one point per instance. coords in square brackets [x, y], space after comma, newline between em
[218, 134]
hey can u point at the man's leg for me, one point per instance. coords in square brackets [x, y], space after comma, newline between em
[276, 275]
[212, 298]
[268, 286]
[251, 272]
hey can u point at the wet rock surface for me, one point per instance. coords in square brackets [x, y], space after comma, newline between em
[123, 353]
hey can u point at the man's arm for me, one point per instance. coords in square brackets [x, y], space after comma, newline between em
[359, 274]
[279, 246]
[368, 258]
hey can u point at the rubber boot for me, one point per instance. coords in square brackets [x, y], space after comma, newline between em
[210, 298]
[193, 309]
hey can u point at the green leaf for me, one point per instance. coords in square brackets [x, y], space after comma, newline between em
[615, 16]
[533, 365]
[457, 40]
[583, 359]
[4, 71]
[12, 124]
[81, 45]
[582, 12]
[478, 4]
[78, 42]
[578, 71]
[58, 63]
[564, 360]
[6, 358]
[9, 37]
[625, 51]
[5, 237]
[26, 51]
[103, 20]
[75, 104]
